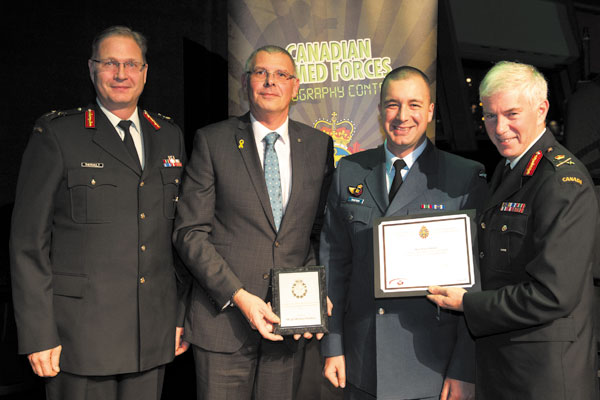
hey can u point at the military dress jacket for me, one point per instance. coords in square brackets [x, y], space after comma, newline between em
[92, 263]
[394, 348]
[225, 232]
[533, 320]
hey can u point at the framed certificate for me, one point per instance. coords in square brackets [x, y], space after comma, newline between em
[300, 300]
[416, 251]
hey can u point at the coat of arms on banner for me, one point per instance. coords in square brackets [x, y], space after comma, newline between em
[341, 133]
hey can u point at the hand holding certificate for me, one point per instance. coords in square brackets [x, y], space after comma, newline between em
[415, 252]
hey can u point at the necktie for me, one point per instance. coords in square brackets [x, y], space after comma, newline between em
[128, 141]
[397, 182]
[272, 177]
[505, 172]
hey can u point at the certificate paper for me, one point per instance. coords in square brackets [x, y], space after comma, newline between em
[415, 252]
[299, 299]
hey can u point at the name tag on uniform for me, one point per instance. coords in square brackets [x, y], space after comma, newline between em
[354, 200]
[92, 165]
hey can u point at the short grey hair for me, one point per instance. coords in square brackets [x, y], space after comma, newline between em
[271, 49]
[508, 75]
[137, 37]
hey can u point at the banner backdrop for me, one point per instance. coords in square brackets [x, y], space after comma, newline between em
[343, 49]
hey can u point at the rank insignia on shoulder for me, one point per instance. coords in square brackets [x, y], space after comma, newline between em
[354, 200]
[90, 118]
[568, 161]
[432, 206]
[151, 120]
[513, 207]
[171, 161]
[533, 163]
[356, 191]
[572, 179]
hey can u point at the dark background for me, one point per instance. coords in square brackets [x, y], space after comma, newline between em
[45, 47]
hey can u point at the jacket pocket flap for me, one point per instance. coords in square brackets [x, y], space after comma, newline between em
[171, 175]
[88, 177]
[69, 285]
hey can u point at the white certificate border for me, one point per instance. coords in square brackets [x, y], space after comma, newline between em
[379, 247]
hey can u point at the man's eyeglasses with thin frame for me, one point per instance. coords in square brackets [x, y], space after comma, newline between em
[260, 74]
[114, 65]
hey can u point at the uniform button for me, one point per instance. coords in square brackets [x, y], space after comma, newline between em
[142, 280]
[143, 216]
[504, 228]
[176, 180]
[266, 276]
[381, 311]
[93, 182]
[142, 183]
[483, 225]
[350, 217]
[481, 254]
[276, 244]
[143, 247]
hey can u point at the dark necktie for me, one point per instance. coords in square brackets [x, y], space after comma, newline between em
[505, 172]
[399, 164]
[128, 141]
[272, 177]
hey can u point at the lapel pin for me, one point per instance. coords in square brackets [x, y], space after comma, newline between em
[241, 144]
[356, 191]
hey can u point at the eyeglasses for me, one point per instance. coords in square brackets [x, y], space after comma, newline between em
[261, 74]
[113, 65]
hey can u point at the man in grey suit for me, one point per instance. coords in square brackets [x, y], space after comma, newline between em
[92, 266]
[237, 220]
[399, 348]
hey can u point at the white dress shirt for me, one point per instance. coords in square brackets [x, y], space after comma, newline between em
[135, 129]
[409, 159]
[282, 147]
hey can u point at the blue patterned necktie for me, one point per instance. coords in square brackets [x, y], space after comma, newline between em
[272, 177]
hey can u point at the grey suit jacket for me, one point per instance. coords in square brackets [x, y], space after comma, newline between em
[403, 347]
[88, 271]
[224, 230]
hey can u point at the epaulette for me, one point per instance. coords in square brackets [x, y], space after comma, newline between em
[559, 157]
[54, 114]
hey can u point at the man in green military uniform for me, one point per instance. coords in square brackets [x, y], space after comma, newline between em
[533, 320]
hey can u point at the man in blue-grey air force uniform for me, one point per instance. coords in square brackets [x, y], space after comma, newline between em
[399, 348]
